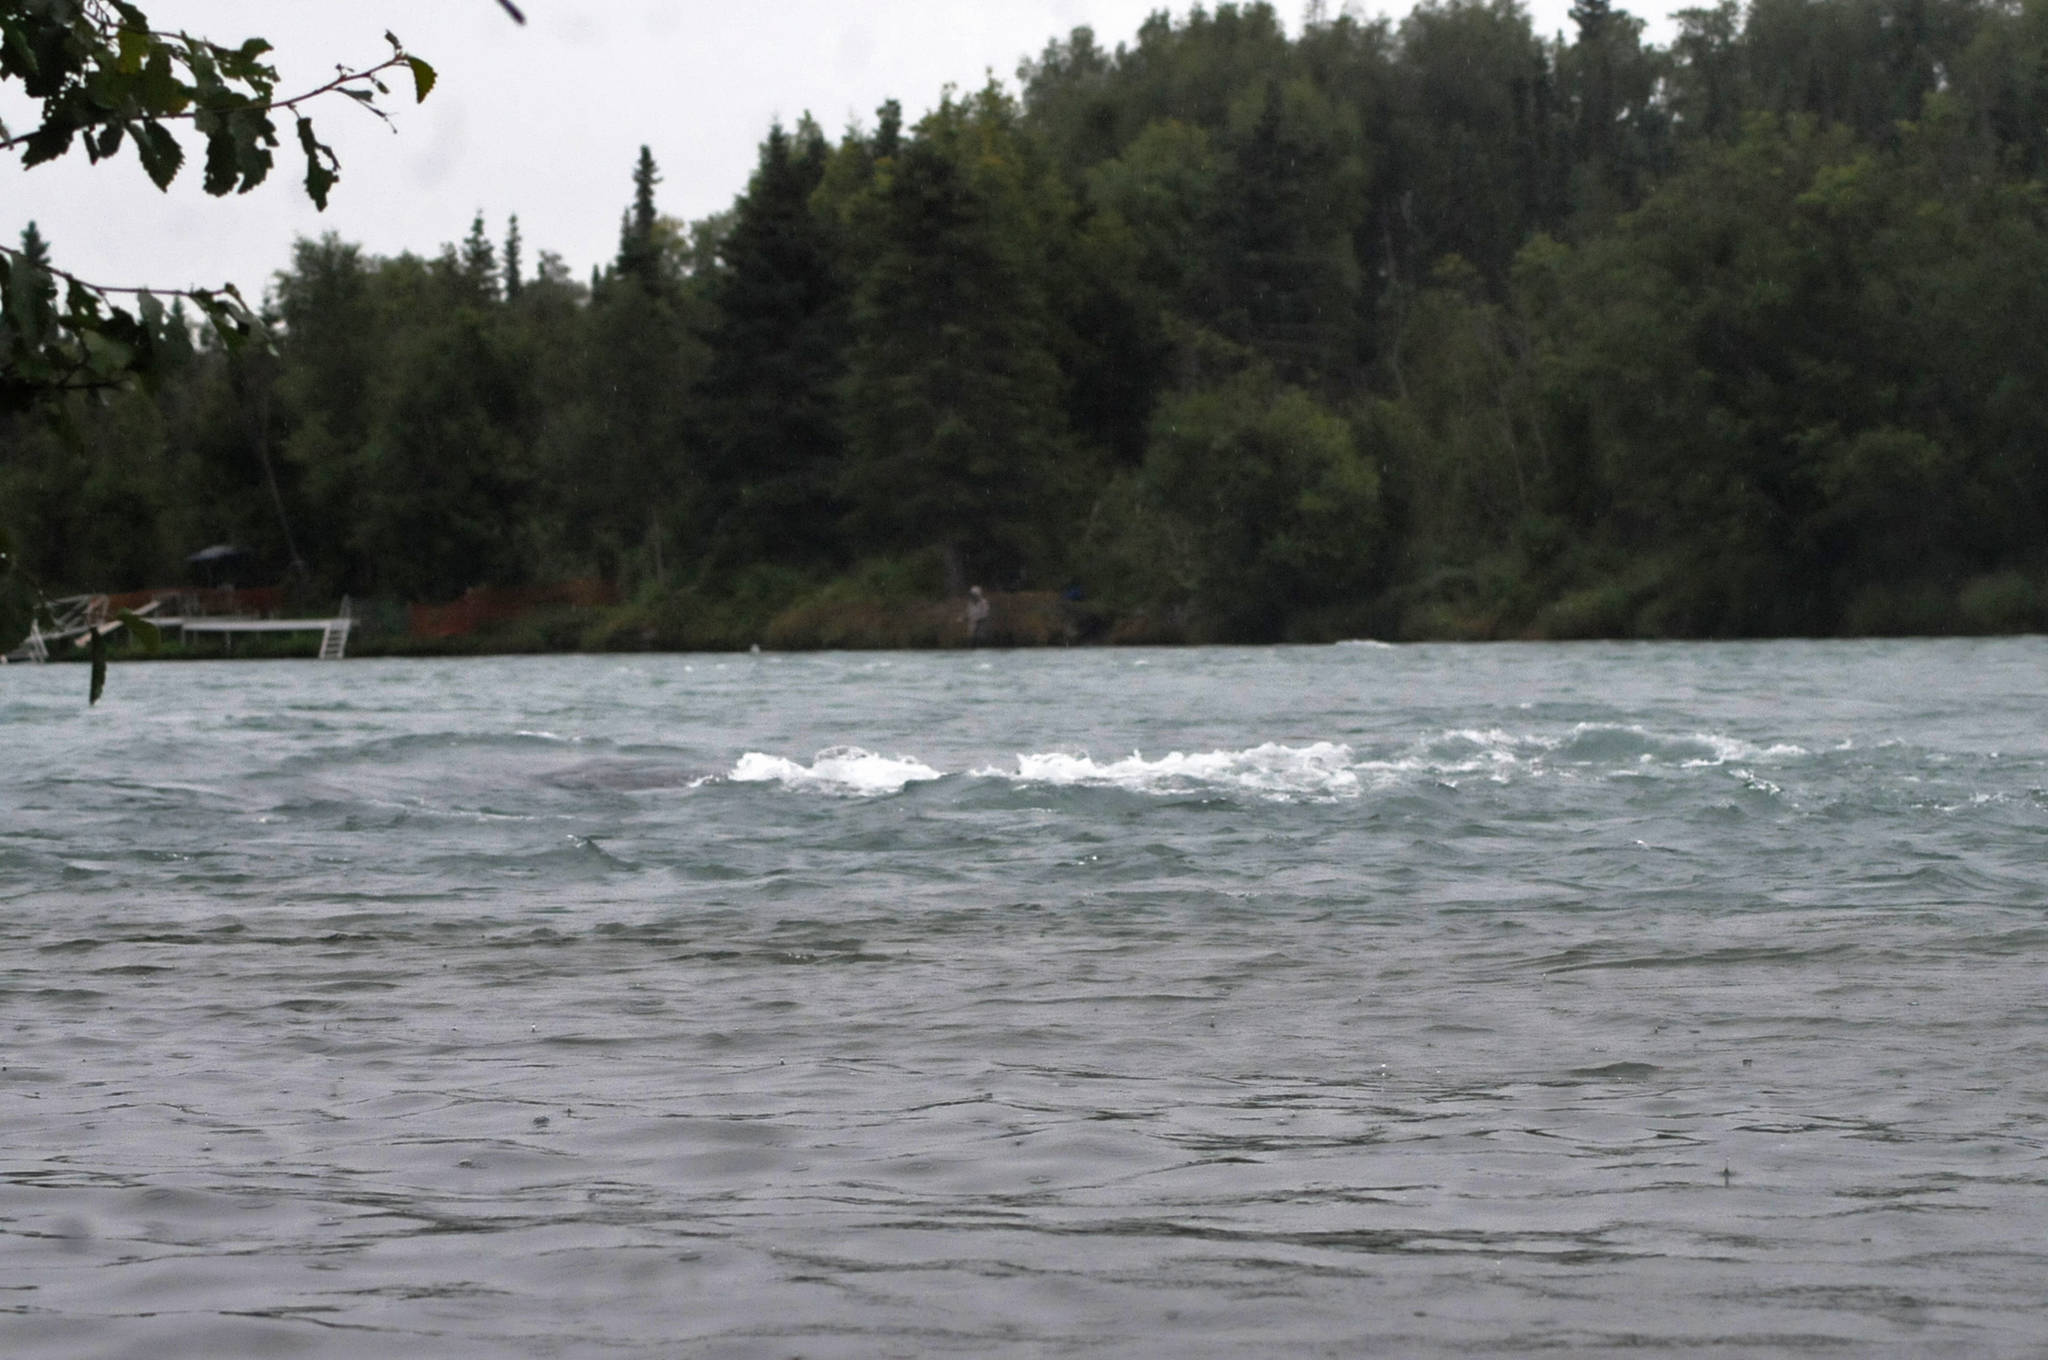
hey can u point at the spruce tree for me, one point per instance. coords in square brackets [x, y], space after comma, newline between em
[1284, 279]
[956, 429]
[777, 351]
[639, 255]
[480, 260]
[889, 130]
[633, 487]
[513, 282]
[34, 249]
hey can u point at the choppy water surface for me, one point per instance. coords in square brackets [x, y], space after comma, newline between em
[1424, 1000]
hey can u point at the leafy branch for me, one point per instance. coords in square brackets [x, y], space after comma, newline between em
[86, 342]
[106, 79]
[162, 157]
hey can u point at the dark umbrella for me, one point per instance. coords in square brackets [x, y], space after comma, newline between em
[211, 561]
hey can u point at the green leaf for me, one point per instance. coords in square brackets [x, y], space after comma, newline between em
[98, 685]
[233, 323]
[134, 49]
[160, 91]
[82, 302]
[49, 141]
[422, 78]
[146, 634]
[320, 165]
[236, 150]
[220, 158]
[160, 152]
[199, 59]
[105, 356]
[24, 54]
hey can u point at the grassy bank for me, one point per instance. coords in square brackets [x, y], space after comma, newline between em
[881, 609]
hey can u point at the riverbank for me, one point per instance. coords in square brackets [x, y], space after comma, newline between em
[884, 607]
[856, 614]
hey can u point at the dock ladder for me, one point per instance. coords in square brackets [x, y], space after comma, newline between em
[334, 638]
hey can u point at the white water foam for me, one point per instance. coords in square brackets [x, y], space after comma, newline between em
[1586, 748]
[838, 769]
[1318, 771]
[1321, 770]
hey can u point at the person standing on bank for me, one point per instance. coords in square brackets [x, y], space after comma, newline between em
[977, 615]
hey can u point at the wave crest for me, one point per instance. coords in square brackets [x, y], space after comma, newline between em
[1318, 771]
[1321, 770]
[837, 769]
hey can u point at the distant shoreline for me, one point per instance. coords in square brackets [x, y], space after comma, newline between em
[1017, 619]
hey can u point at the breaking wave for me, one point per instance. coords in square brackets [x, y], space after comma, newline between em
[1322, 770]
[1317, 771]
[838, 769]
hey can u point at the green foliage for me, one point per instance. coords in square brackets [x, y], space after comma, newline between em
[103, 78]
[2003, 602]
[1282, 278]
[1463, 462]
[639, 252]
[773, 448]
[1474, 161]
[956, 433]
[1276, 506]
[20, 601]
[1432, 328]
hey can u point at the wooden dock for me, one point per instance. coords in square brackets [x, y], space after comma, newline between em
[333, 632]
[81, 618]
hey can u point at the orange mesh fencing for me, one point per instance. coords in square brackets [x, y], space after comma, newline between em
[481, 606]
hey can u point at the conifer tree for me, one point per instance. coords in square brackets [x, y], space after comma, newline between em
[639, 252]
[888, 139]
[631, 483]
[34, 249]
[479, 261]
[1285, 279]
[777, 351]
[513, 282]
[957, 433]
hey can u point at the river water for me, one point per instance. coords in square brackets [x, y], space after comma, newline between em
[1432, 1000]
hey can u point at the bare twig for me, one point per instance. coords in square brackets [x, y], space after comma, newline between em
[193, 294]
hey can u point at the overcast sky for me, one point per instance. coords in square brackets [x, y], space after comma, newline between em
[544, 121]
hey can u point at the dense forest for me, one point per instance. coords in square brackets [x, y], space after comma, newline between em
[1431, 328]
